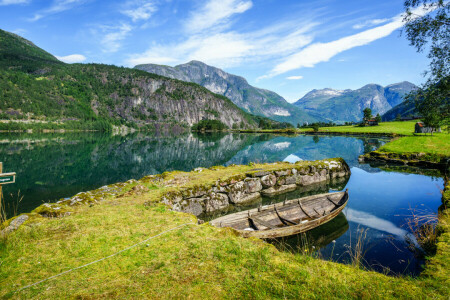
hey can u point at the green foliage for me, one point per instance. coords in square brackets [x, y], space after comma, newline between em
[431, 31]
[378, 118]
[265, 123]
[215, 113]
[36, 87]
[213, 125]
[315, 127]
[367, 112]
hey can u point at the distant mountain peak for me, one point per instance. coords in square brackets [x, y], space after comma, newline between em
[252, 99]
[347, 105]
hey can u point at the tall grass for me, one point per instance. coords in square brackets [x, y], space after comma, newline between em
[358, 250]
[423, 226]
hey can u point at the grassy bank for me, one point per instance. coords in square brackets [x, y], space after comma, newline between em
[386, 128]
[196, 261]
[438, 144]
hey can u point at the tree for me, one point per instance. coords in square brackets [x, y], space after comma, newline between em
[431, 30]
[298, 125]
[367, 113]
[378, 118]
[315, 127]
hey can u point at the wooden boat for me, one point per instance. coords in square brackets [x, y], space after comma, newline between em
[287, 217]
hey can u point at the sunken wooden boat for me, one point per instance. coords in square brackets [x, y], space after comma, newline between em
[287, 217]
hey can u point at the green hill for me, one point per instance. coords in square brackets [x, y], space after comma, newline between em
[39, 91]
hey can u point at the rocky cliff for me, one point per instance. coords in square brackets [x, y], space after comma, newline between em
[36, 86]
[253, 100]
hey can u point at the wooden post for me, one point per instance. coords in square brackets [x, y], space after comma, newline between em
[1, 197]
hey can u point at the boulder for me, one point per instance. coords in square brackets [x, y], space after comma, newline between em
[15, 224]
[275, 190]
[216, 201]
[290, 180]
[236, 191]
[248, 198]
[252, 185]
[268, 180]
[283, 173]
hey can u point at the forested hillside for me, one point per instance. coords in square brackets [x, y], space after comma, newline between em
[41, 91]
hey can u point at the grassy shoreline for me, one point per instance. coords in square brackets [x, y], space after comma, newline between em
[192, 261]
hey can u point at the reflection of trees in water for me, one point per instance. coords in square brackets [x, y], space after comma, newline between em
[50, 167]
[316, 139]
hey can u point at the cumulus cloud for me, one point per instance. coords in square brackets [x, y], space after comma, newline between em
[215, 12]
[56, 7]
[316, 53]
[295, 77]
[73, 58]
[140, 10]
[11, 2]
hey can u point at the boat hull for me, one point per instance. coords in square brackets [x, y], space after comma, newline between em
[268, 233]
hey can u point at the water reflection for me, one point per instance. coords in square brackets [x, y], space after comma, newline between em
[374, 222]
[52, 166]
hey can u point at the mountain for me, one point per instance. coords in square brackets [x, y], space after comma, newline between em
[404, 109]
[341, 106]
[34, 85]
[253, 100]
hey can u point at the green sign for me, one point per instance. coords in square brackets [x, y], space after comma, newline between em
[6, 178]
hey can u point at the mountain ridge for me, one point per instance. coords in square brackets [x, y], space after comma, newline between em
[35, 85]
[254, 100]
[341, 106]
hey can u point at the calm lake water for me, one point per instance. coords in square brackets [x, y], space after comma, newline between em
[50, 167]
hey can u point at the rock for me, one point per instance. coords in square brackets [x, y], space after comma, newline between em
[323, 175]
[268, 180]
[216, 201]
[283, 173]
[281, 180]
[192, 206]
[236, 192]
[252, 185]
[15, 224]
[261, 173]
[290, 180]
[248, 198]
[310, 179]
[275, 190]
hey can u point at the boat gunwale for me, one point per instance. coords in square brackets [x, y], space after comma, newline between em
[285, 230]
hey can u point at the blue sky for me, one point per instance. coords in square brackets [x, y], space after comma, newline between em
[286, 46]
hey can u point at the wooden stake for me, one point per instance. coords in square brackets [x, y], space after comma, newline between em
[1, 196]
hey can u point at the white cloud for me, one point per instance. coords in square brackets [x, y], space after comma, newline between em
[11, 2]
[56, 7]
[113, 36]
[295, 77]
[370, 23]
[73, 58]
[321, 52]
[140, 10]
[20, 31]
[216, 12]
[226, 49]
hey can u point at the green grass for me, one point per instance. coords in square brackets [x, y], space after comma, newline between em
[398, 128]
[438, 144]
[195, 261]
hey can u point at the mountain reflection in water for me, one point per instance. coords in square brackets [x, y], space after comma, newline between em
[53, 166]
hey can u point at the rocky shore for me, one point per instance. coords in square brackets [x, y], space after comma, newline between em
[248, 187]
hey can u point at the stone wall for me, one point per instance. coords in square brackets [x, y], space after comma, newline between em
[244, 189]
